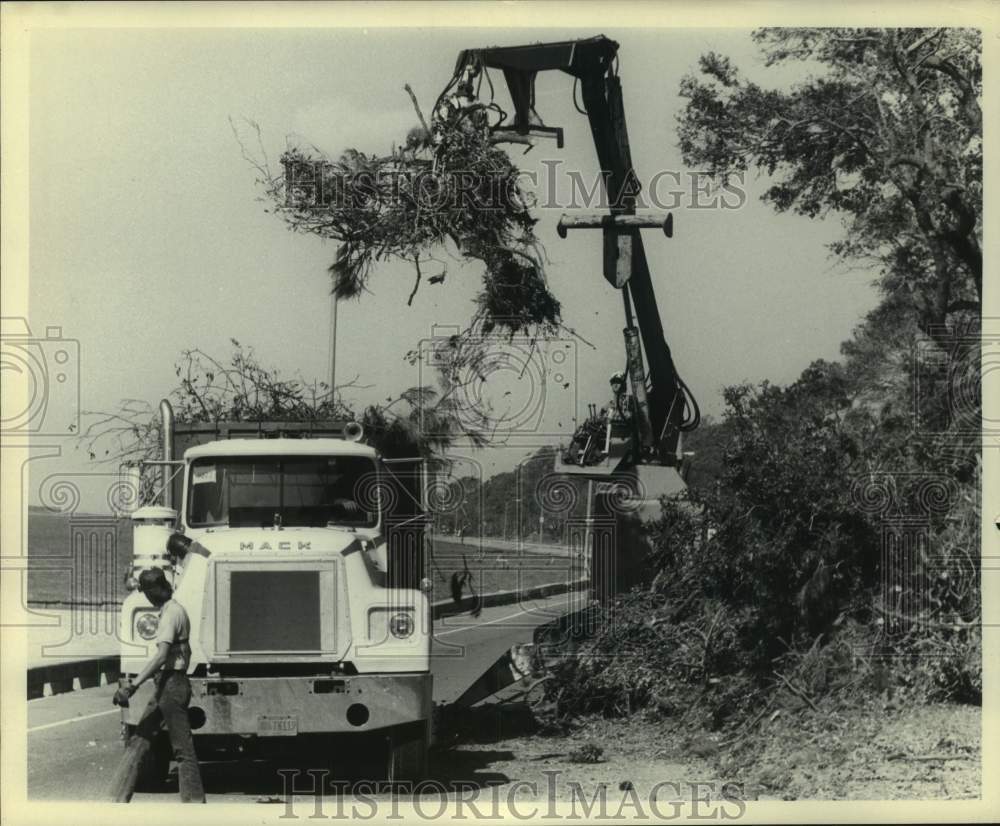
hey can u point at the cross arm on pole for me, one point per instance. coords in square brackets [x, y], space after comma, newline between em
[615, 222]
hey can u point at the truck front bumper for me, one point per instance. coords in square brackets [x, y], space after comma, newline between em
[276, 706]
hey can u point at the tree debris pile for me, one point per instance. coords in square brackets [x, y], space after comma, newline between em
[781, 589]
[419, 421]
[447, 184]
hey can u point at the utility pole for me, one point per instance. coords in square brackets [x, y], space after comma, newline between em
[588, 532]
[333, 346]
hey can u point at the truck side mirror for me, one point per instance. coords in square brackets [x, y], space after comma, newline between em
[178, 544]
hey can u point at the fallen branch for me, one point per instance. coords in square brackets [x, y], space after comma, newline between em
[416, 284]
[416, 107]
[798, 692]
[745, 730]
[929, 757]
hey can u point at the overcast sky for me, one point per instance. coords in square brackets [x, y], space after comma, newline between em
[146, 235]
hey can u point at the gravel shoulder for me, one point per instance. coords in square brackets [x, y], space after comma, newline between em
[876, 751]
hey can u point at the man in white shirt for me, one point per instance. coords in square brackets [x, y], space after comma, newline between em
[169, 705]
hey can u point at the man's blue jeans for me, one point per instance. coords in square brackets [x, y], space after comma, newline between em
[169, 706]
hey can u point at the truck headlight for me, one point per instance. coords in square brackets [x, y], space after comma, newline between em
[146, 625]
[401, 625]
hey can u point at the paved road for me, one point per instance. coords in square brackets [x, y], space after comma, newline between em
[73, 739]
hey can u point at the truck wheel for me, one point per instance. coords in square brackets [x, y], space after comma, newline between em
[408, 753]
[154, 765]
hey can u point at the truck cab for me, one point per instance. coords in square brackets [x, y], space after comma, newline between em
[304, 585]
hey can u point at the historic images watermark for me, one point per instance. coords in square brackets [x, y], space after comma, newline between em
[41, 407]
[47, 369]
[556, 186]
[950, 364]
[552, 798]
[499, 386]
[79, 564]
[922, 578]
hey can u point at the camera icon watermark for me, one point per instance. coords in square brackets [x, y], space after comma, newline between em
[41, 377]
[950, 367]
[498, 385]
[72, 568]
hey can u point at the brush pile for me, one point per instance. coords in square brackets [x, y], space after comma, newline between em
[447, 188]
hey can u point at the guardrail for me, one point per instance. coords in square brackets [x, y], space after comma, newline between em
[447, 607]
[91, 672]
[73, 675]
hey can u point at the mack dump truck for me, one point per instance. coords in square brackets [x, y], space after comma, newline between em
[303, 579]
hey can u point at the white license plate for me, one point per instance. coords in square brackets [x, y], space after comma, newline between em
[285, 725]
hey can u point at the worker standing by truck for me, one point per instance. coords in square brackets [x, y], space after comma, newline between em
[169, 705]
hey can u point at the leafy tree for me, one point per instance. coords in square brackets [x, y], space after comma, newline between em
[708, 444]
[887, 133]
[790, 467]
[916, 403]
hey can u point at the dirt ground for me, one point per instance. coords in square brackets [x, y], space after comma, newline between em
[875, 752]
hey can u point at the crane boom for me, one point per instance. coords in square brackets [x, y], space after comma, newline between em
[659, 392]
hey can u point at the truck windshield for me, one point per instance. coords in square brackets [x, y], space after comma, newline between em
[293, 491]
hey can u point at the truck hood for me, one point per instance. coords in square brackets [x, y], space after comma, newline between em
[285, 542]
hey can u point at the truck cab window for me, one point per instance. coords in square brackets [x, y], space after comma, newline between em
[302, 491]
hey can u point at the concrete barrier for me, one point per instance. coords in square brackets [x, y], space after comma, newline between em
[90, 672]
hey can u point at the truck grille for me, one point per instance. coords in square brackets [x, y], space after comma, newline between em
[274, 611]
